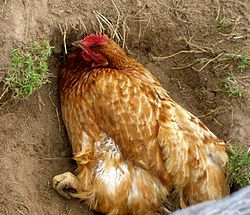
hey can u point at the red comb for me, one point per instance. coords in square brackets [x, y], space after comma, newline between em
[95, 39]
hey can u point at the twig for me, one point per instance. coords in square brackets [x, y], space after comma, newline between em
[57, 113]
[19, 211]
[82, 23]
[224, 67]
[4, 103]
[139, 31]
[40, 101]
[234, 28]
[118, 15]
[64, 33]
[218, 11]
[180, 52]
[4, 92]
[185, 66]
[211, 60]
[101, 18]
[244, 84]
[236, 56]
[73, 26]
[196, 46]
[27, 208]
[230, 35]
[194, 69]
[125, 34]
[215, 111]
[103, 2]
[240, 37]
[244, 77]
[139, 11]
[222, 64]
[101, 27]
[56, 13]
[217, 122]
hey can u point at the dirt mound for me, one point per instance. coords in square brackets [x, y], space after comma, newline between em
[184, 43]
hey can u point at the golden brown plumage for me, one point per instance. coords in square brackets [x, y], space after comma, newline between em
[130, 137]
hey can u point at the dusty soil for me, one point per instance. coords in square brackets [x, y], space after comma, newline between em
[33, 141]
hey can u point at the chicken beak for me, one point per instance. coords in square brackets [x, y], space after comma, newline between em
[78, 44]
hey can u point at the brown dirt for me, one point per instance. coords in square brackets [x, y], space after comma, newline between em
[33, 140]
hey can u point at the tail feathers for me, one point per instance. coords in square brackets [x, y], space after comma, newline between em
[210, 185]
[216, 182]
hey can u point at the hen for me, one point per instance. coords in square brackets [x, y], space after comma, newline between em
[133, 144]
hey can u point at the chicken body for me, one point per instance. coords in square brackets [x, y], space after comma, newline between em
[159, 146]
[110, 184]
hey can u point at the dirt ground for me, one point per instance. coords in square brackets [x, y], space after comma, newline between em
[33, 141]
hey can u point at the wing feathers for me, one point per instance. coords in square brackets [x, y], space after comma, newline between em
[193, 155]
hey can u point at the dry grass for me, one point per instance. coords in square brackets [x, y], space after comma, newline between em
[118, 29]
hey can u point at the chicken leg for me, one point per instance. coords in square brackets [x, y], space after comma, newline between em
[65, 183]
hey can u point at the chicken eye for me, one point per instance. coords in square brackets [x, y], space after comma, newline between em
[95, 48]
[95, 51]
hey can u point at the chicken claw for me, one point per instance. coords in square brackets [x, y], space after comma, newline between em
[65, 183]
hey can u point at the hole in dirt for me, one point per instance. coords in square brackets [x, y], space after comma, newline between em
[195, 91]
[35, 146]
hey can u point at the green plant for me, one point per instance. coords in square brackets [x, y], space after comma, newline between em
[231, 87]
[202, 61]
[239, 165]
[242, 61]
[213, 113]
[223, 24]
[29, 69]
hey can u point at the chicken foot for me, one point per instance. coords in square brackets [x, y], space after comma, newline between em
[65, 183]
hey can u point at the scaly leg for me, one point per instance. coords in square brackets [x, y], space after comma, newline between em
[65, 183]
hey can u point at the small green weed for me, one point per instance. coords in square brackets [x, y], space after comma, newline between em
[231, 87]
[202, 61]
[242, 61]
[223, 24]
[213, 113]
[29, 69]
[239, 166]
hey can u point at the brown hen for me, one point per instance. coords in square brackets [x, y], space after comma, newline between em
[133, 144]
